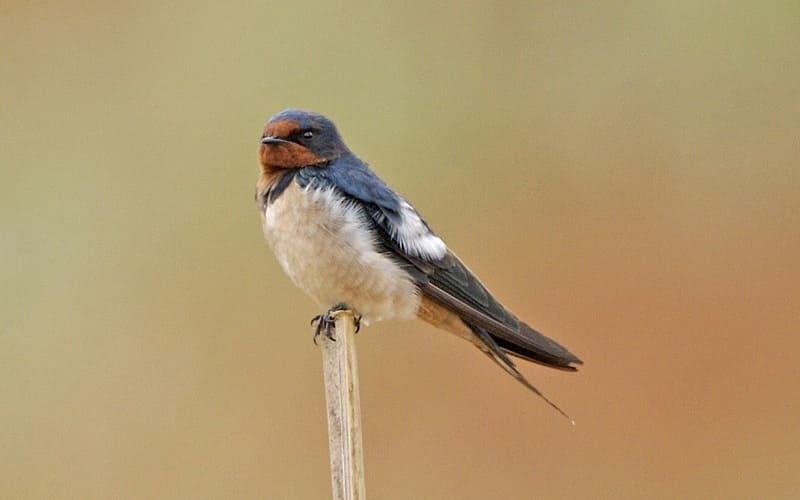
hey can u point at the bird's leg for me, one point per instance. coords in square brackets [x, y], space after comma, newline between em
[327, 322]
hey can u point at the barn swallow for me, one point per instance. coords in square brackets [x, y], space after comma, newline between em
[349, 241]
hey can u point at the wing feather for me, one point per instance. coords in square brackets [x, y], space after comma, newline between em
[449, 282]
[440, 274]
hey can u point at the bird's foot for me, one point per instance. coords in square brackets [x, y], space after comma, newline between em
[326, 323]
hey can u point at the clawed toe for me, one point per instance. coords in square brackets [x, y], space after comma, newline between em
[327, 322]
[323, 323]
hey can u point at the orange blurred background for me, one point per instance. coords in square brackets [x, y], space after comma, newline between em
[623, 176]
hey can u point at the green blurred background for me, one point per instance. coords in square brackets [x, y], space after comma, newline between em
[624, 176]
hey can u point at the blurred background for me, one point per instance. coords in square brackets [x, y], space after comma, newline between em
[624, 176]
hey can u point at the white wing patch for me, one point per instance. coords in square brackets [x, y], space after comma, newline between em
[414, 236]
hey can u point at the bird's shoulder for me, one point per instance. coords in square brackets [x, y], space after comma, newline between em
[391, 215]
[353, 178]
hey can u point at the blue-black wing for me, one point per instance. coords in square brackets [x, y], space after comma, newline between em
[441, 276]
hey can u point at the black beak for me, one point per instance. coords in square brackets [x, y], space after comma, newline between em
[273, 140]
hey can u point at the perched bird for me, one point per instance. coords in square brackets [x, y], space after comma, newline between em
[350, 242]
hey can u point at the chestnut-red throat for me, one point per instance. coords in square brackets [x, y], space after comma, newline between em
[285, 154]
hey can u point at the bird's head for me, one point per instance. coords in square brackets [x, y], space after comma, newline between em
[294, 139]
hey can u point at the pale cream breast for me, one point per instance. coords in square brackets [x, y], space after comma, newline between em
[324, 246]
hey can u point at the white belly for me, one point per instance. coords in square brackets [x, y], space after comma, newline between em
[324, 247]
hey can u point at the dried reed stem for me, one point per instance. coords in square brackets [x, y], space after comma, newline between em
[344, 409]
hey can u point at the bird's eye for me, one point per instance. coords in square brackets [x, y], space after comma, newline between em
[308, 134]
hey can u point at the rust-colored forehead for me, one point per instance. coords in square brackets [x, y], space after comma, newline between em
[281, 128]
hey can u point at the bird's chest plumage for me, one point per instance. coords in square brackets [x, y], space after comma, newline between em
[325, 247]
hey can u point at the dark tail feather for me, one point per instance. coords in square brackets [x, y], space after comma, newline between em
[511, 335]
[498, 355]
[539, 349]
